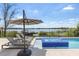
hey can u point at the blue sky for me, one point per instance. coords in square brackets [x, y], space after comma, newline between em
[52, 14]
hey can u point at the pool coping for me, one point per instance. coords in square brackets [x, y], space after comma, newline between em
[56, 37]
[37, 38]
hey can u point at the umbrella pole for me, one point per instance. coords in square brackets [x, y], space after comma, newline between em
[24, 52]
[24, 39]
[24, 30]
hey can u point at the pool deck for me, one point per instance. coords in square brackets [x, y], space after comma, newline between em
[38, 52]
[62, 52]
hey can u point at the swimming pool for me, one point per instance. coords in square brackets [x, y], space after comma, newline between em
[57, 42]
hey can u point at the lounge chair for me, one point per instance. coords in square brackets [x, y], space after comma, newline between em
[18, 42]
[27, 38]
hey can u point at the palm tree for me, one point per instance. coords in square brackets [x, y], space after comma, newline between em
[7, 14]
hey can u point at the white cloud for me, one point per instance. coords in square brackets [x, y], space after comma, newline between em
[69, 7]
[71, 19]
[19, 16]
[35, 11]
[62, 24]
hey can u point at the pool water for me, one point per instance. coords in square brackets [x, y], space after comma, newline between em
[57, 43]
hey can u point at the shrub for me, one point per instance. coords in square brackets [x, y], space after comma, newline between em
[42, 34]
[48, 34]
[11, 34]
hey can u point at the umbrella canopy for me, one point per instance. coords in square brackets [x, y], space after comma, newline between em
[26, 21]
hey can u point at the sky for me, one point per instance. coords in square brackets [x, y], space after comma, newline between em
[53, 15]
